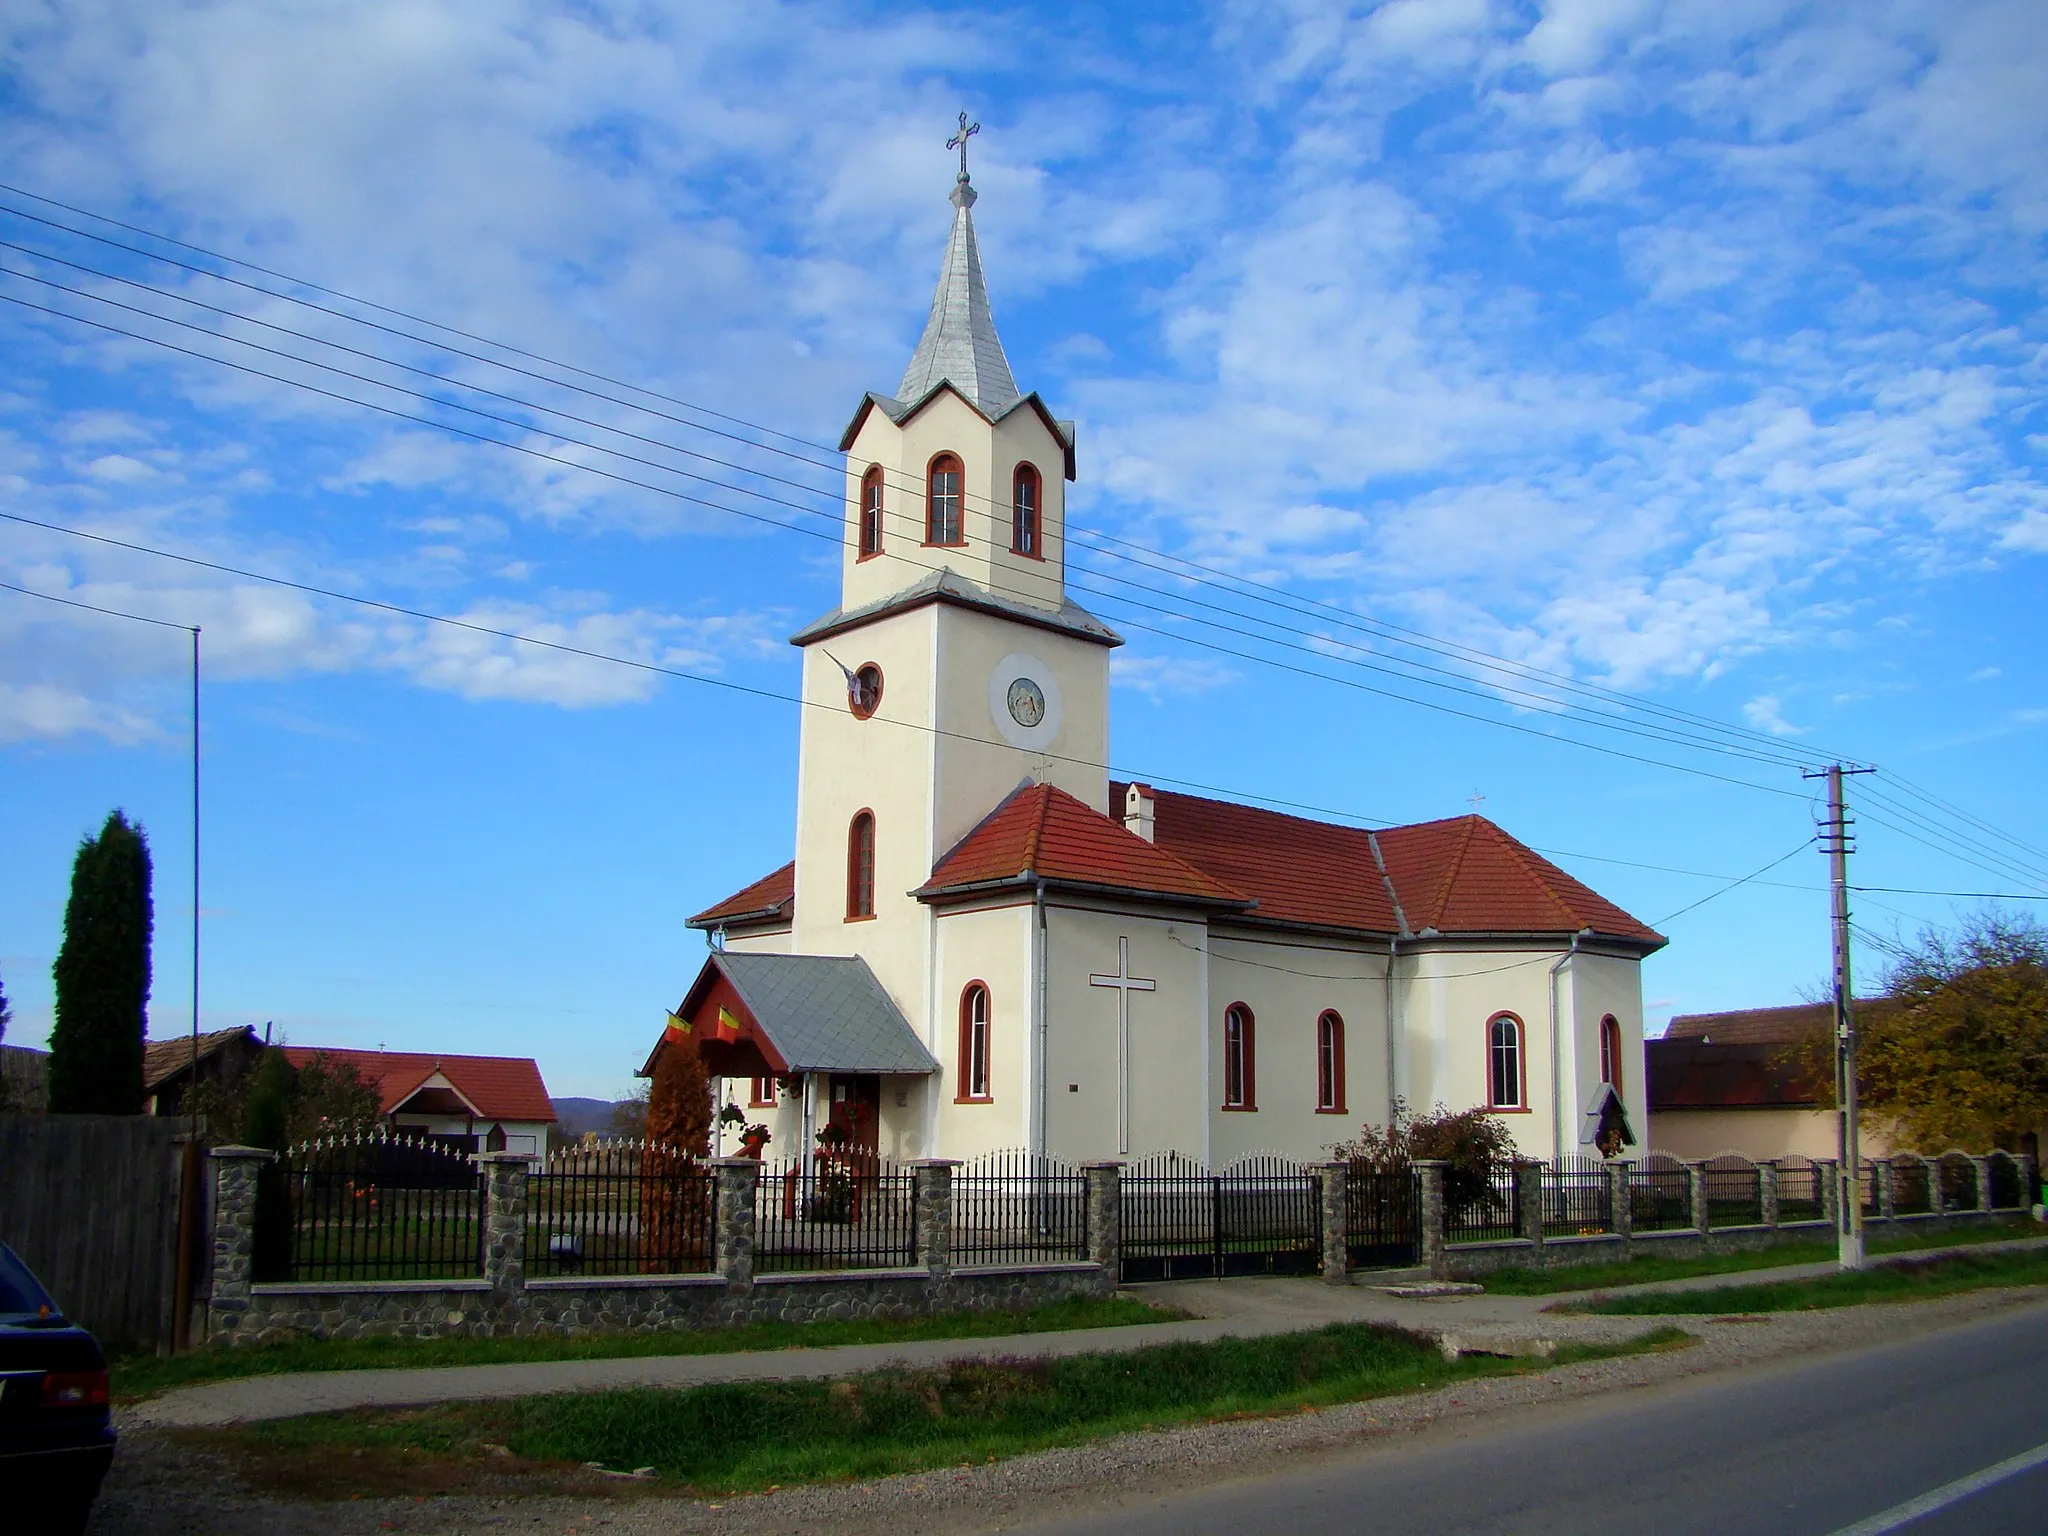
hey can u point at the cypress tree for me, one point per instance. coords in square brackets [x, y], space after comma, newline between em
[102, 976]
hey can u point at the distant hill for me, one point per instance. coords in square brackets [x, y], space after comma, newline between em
[579, 1115]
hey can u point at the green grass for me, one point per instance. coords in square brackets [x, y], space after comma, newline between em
[734, 1437]
[1914, 1280]
[145, 1375]
[1642, 1271]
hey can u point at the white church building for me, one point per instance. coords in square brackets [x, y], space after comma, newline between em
[983, 942]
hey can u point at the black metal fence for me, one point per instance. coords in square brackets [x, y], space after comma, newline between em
[1735, 1193]
[621, 1208]
[1019, 1207]
[1260, 1215]
[1799, 1191]
[1660, 1194]
[1382, 1216]
[1578, 1197]
[1873, 1193]
[1482, 1205]
[370, 1207]
[835, 1211]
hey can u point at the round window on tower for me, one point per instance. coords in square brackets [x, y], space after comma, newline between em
[864, 696]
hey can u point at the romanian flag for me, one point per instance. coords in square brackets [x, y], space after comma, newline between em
[729, 1028]
[676, 1031]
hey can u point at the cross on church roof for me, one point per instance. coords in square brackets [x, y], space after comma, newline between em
[959, 141]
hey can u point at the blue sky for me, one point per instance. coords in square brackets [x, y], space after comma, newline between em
[1691, 350]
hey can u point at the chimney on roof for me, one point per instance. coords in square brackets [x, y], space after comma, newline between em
[1141, 812]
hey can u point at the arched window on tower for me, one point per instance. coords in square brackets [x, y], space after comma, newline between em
[1504, 1062]
[1610, 1052]
[1240, 1058]
[1025, 531]
[871, 512]
[860, 867]
[974, 1043]
[1330, 1063]
[942, 501]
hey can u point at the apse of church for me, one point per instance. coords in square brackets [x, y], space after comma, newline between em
[984, 943]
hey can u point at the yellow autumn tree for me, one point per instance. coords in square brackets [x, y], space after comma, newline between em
[1961, 1058]
[675, 1194]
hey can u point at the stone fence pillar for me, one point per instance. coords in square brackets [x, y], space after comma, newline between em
[1431, 1171]
[1334, 1179]
[1529, 1199]
[1702, 1207]
[235, 1171]
[733, 1236]
[1767, 1191]
[1937, 1200]
[1887, 1190]
[2030, 1175]
[1983, 1166]
[1827, 1178]
[934, 1182]
[1621, 1205]
[504, 1226]
[1105, 1217]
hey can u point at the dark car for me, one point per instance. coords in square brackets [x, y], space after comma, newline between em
[56, 1434]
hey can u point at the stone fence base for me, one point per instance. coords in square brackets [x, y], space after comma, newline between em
[426, 1309]
[1471, 1261]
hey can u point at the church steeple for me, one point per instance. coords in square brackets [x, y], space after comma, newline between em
[959, 345]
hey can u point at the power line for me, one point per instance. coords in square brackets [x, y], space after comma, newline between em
[116, 613]
[1763, 748]
[1380, 629]
[1734, 884]
[716, 682]
[670, 491]
[1602, 721]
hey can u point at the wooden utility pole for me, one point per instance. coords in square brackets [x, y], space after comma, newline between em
[1849, 1205]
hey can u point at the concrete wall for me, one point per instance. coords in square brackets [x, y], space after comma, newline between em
[1758, 1134]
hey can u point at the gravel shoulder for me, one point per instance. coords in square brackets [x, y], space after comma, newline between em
[163, 1483]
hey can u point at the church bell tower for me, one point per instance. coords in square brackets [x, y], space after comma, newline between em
[955, 667]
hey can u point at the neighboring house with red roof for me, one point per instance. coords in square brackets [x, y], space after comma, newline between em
[983, 943]
[475, 1103]
[1739, 1082]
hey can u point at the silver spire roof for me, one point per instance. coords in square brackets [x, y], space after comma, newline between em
[959, 345]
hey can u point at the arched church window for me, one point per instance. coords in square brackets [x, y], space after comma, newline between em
[1610, 1052]
[1240, 1058]
[860, 867]
[1025, 510]
[1504, 1062]
[1330, 1063]
[942, 501]
[871, 512]
[974, 1045]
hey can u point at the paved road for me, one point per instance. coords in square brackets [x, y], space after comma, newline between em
[1808, 1448]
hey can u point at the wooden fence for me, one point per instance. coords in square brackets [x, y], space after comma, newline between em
[90, 1202]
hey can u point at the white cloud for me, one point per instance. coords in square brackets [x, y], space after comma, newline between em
[39, 711]
[1167, 677]
[1765, 713]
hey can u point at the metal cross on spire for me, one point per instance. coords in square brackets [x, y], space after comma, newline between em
[959, 141]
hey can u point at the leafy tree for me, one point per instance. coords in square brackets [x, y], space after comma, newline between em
[679, 1101]
[1473, 1142]
[331, 1098]
[102, 976]
[266, 1115]
[629, 1116]
[1961, 1059]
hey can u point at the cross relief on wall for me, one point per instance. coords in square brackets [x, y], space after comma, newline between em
[1125, 984]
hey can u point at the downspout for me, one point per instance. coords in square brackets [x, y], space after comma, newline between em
[1043, 1137]
[1394, 939]
[1557, 1055]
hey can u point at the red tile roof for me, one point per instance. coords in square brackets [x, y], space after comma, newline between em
[501, 1087]
[1043, 833]
[1767, 1026]
[771, 896]
[1692, 1073]
[1464, 875]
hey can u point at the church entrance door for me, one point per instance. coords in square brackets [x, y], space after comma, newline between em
[856, 1109]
